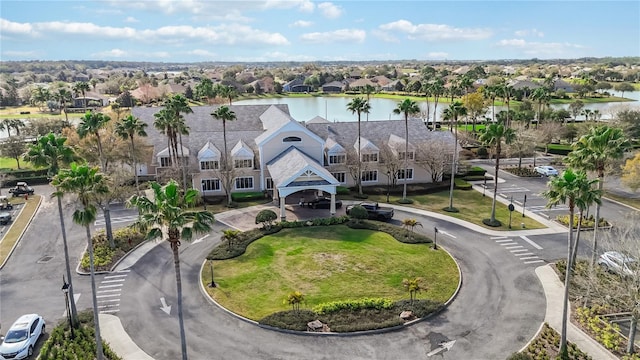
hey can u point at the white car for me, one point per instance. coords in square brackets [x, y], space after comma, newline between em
[22, 337]
[546, 170]
[617, 262]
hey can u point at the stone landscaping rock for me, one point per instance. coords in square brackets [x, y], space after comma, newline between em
[407, 315]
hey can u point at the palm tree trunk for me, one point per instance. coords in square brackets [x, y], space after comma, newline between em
[564, 354]
[574, 254]
[107, 223]
[103, 166]
[135, 165]
[176, 264]
[435, 112]
[406, 153]
[594, 254]
[183, 164]
[495, 183]
[359, 176]
[453, 168]
[96, 320]
[72, 300]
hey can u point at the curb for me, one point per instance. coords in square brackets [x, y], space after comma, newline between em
[348, 334]
[23, 230]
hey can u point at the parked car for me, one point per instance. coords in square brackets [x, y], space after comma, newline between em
[4, 203]
[375, 211]
[546, 170]
[22, 337]
[21, 188]
[5, 217]
[322, 203]
[617, 262]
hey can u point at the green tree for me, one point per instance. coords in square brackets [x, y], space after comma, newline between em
[568, 188]
[128, 128]
[576, 108]
[406, 107]
[358, 212]
[266, 217]
[178, 105]
[63, 96]
[476, 106]
[225, 114]
[168, 216]
[165, 123]
[81, 87]
[230, 236]
[13, 147]
[437, 91]
[294, 299]
[541, 96]
[622, 87]
[358, 106]
[86, 183]
[414, 286]
[206, 90]
[631, 172]
[592, 152]
[494, 136]
[455, 110]
[226, 91]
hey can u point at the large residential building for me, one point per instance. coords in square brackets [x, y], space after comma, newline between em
[270, 151]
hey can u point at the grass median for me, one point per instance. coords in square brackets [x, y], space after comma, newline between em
[18, 225]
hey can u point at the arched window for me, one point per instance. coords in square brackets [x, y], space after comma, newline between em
[291, 139]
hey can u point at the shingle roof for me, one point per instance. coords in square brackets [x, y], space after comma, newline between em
[291, 162]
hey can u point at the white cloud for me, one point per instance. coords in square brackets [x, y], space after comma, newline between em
[540, 49]
[438, 55]
[342, 35]
[15, 53]
[109, 54]
[436, 32]
[202, 53]
[131, 19]
[302, 5]
[11, 27]
[301, 23]
[330, 10]
[384, 36]
[281, 56]
[529, 32]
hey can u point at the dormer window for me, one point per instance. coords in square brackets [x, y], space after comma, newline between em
[337, 159]
[409, 157]
[371, 157]
[209, 165]
[291, 139]
[243, 163]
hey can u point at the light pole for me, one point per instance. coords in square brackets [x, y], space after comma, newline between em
[435, 238]
[484, 186]
[65, 291]
[212, 284]
[524, 203]
[388, 184]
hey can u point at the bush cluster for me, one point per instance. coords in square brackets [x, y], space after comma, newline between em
[59, 345]
[547, 345]
[603, 331]
[461, 184]
[476, 171]
[398, 233]
[522, 171]
[104, 257]
[352, 305]
[247, 196]
[587, 223]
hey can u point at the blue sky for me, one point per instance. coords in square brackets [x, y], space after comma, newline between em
[305, 30]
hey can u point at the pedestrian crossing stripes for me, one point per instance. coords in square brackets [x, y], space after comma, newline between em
[519, 250]
[109, 291]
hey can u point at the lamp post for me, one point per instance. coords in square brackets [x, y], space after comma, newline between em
[212, 284]
[388, 184]
[484, 188]
[65, 291]
[435, 238]
[524, 204]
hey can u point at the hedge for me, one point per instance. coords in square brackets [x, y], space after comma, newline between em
[461, 184]
[247, 196]
[476, 171]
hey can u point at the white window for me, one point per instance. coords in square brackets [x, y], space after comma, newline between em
[209, 165]
[373, 157]
[244, 182]
[269, 182]
[370, 176]
[210, 185]
[165, 161]
[401, 155]
[337, 159]
[340, 176]
[405, 174]
[245, 163]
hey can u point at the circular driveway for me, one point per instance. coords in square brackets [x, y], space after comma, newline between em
[498, 309]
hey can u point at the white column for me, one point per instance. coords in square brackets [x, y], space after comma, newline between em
[332, 211]
[283, 214]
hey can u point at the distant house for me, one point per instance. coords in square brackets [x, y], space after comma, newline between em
[297, 86]
[92, 100]
[390, 86]
[360, 84]
[560, 84]
[381, 80]
[333, 87]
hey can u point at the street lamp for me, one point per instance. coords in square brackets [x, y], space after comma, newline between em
[435, 238]
[212, 284]
[65, 291]
[484, 186]
[388, 184]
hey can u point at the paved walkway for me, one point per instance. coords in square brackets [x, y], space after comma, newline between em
[115, 334]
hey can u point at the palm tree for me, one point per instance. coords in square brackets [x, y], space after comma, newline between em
[568, 188]
[81, 87]
[294, 299]
[165, 123]
[50, 150]
[168, 216]
[63, 96]
[88, 184]
[91, 124]
[541, 97]
[368, 89]
[491, 92]
[410, 224]
[414, 286]
[127, 129]
[227, 91]
[506, 91]
[359, 105]
[225, 114]
[495, 135]
[437, 90]
[455, 110]
[592, 152]
[179, 105]
[406, 107]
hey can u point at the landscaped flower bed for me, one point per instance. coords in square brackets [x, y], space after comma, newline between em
[587, 223]
[522, 171]
[546, 346]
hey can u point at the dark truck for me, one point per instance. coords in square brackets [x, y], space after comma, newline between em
[21, 189]
[375, 211]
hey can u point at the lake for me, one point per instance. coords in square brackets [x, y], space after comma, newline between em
[334, 109]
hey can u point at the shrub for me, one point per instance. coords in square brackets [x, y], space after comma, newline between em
[366, 303]
[476, 171]
[461, 184]
[522, 172]
[587, 223]
[474, 178]
[266, 217]
[247, 196]
[104, 257]
[358, 212]
[398, 233]
[342, 190]
[519, 356]
[405, 201]
[290, 319]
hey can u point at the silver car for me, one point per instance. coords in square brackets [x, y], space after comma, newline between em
[546, 170]
[22, 337]
[617, 262]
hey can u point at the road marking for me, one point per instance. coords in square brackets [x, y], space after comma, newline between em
[517, 202]
[200, 239]
[501, 241]
[446, 233]
[109, 300]
[123, 271]
[514, 247]
[520, 250]
[531, 242]
[497, 237]
[112, 281]
[525, 254]
[510, 243]
[533, 261]
[104, 291]
[110, 311]
[109, 286]
[115, 276]
[106, 296]
[529, 258]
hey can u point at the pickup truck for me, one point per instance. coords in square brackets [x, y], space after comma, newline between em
[21, 189]
[375, 211]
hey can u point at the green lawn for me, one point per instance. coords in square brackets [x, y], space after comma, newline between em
[327, 264]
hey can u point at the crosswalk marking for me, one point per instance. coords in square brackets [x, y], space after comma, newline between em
[505, 240]
[531, 242]
[509, 243]
[497, 237]
[514, 247]
[520, 251]
[529, 258]
[110, 289]
[533, 261]
[525, 254]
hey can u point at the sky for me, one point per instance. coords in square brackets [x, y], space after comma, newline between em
[188, 31]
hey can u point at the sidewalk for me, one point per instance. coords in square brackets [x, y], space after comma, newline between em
[554, 292]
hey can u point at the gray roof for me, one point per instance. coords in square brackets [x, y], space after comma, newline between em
[292, 161]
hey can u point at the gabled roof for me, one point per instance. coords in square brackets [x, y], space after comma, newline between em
[397, 143]
[208, 151]
[242, 150]
[165, 152]
[274, 117]
[318, 120]
[365, 145]
[331, 146]
[291, 164]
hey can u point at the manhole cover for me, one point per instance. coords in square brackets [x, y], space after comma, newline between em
[44, 259]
